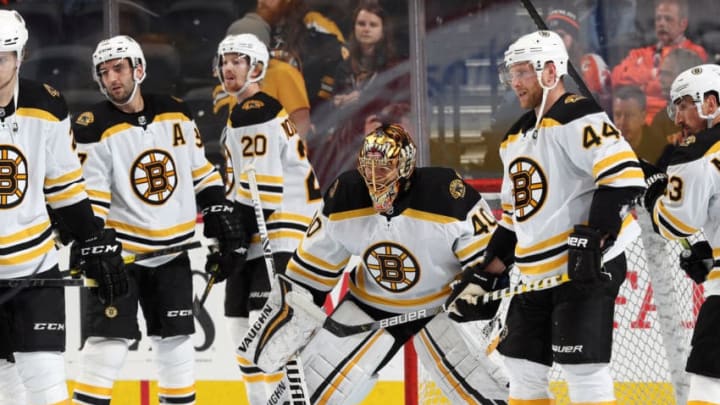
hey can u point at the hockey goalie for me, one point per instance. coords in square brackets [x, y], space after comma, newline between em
[421, 235]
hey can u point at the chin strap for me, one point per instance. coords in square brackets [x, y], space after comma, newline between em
[546, 92]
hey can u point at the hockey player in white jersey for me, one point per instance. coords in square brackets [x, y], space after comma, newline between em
[685, 201]
[259, 132]
[147, 176]
[568, 180]
[39, 167]
[415, 231]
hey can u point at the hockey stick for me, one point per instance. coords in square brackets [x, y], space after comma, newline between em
[343, 330]
[143, 256]
[48, 282]
[293, 368]
[540, 23]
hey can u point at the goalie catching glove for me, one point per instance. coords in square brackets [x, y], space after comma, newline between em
[697, 261]
[465, 302]
[222, 224]
[100, 258]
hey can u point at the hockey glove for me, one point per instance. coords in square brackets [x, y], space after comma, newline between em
[585, 255]
[697, 261]
[656, 182]
[220, 223]
[474, 283]
[100, 258]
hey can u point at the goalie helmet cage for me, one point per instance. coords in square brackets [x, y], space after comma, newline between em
[655, 314]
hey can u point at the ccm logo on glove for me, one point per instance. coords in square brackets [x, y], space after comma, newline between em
[98, 250]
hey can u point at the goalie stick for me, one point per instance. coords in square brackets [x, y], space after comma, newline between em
[293, 369]
[343, 330]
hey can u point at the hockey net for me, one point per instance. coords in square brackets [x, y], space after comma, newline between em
[655, 314]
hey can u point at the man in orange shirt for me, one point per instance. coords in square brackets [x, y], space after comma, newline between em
[642, 65]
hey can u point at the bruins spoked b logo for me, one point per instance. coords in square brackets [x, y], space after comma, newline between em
[153, 176]
[529, 187]
[392, 266]
[13, 176]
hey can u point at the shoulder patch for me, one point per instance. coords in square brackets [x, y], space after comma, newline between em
[573, 98]
[51, 90]
[85, 118]
[252, 105]
[457, 189]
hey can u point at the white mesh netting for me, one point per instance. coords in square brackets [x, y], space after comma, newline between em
[654, 317]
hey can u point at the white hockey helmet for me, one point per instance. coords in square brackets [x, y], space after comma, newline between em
[695, 82]
[538, 48]
[13, 33]
[120, 46]
[387, 156]
[248, 45]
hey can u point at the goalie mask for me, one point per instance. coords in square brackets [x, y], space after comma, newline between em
[696, 83]
[119, 47]
[386, 157]
[13, 34]
[249, 46]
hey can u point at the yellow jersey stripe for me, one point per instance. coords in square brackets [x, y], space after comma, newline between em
[662, 210]
[318, 262]
[295, 268]
[543, 268]
[394, 302]
[66, 178]
[153, 233]
[31, 254]
[25, 234]
[36, 113]
[427, 216]
[115, 129]
[362, 212]
[67, 194]
[612, 160]
[473, 247]
[171, 116]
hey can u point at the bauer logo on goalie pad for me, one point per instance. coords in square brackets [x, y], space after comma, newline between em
[421, 314]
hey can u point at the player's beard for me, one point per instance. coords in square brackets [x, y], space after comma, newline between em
[124, 96]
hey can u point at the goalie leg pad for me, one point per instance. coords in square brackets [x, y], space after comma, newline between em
[175, 358]
[589, 383]
[12, 390]
[102, 359]
[340, 370]
[528, 380]
[43, 374]
[278, 333]
[703, 390]
[456, 363]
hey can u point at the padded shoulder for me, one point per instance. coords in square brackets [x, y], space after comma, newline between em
[89, 125]
[43, 97]
[696, 146]
[441, 191]
[256, 109]
[347, 193]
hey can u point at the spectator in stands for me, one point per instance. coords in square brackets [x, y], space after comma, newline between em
[641, 66]
[628, 109]
[282, 81]
[294, 31]
[591, 66]
[361, 88]
[677, 61]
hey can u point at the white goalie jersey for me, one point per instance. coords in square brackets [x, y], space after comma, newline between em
[441, 227]
[692, 199]
[37, 167]
[260, 133]
[550, 176]
[143, 172]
